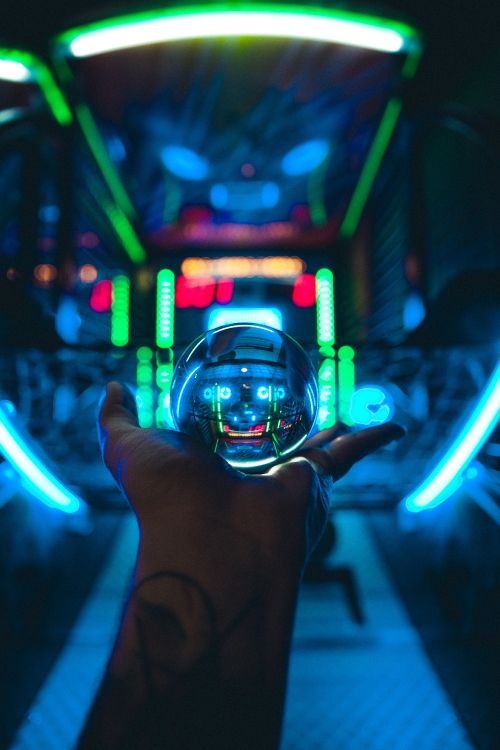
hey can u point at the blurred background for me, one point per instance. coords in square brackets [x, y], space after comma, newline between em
[332, 170]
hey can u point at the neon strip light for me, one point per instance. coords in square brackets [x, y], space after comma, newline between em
[120, 311]
[144, 377]
[165, 309]
[23, 67]
[327, 394]
[325, 309]
[164, 373]
[262, 20]
[439, 485]
[268, 316]
[346, 383]
[35, 475]
[370, 169]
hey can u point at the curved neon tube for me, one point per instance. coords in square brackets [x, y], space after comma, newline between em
[35, 476]
[266, 20]
[441, 482]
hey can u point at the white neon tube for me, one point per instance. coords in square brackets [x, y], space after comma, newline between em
[12, 70]
[134, 32]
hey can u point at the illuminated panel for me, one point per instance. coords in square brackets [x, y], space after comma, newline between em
[371, 405]
[23, 67]
[325, 307]
[144, 395]
[164, 373]
[346, 383]
[327, 394]
[446, 476]
[35, 475]
[244, 267]
[268, 316]
[120, 311]
[165, 309]
[267, 20]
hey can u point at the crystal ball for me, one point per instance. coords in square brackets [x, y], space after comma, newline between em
[249, 392]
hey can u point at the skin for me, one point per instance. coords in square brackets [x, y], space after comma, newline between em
[201, 656]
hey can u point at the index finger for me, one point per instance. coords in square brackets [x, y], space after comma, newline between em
[117, 413]
[338, 456]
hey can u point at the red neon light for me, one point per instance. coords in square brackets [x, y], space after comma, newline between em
[304, 290]
[195, 292]
[101, 296]
[225, 289]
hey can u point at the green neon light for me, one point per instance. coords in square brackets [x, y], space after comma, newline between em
[327, 394]
[144, 376]
[325, 308]
[346, 382]
[165, 309]
[100, 154]
[125, 233]
[164, 374]
[316, 189]
[23, 67]
[370, 169]
[120, 311]
[261, 20]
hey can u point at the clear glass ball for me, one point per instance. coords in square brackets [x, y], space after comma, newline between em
[249, 392]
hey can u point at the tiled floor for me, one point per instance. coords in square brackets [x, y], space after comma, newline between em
[351, 687]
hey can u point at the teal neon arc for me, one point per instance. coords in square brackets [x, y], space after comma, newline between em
[250, 20]
[35, 475]
[446, 476]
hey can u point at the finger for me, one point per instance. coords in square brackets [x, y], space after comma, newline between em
[326, 436]
[341, 454]
[117, 413]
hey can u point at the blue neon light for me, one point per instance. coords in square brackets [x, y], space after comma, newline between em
[224, 392]
[304, 158]
[35, 475]
[263, 392]
[447, 474]
[371, 405]
[185, 163]
[244, 196]
[268, 316]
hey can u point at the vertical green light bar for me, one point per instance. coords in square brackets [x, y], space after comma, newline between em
[165, 309]
[120, 311]
[346, 382]
[164, 372]
[144, 378]
[327, 394]
[325, 311]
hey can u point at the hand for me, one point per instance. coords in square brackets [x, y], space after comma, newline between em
[201, 657]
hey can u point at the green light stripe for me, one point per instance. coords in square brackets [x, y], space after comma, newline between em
[120, 311]
[327, 394]
[165, 309]
[125, 233]
[370, 169]
[164, 373]
[325, 308]
[346, 382]
[144, 379]
[99, 151]
[41, 75]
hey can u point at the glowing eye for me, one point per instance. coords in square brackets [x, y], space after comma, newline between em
[207, 393]
[224, 392]
[263, 392]
[304, 158]
[280, 392]
[184, 163]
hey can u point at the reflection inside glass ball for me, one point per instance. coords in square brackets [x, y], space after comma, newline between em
[248, 392]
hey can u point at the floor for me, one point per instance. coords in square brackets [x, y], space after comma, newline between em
[352, 686]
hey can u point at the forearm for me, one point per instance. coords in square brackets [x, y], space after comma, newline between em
[180, 677]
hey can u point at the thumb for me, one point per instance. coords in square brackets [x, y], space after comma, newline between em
[117, 414]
